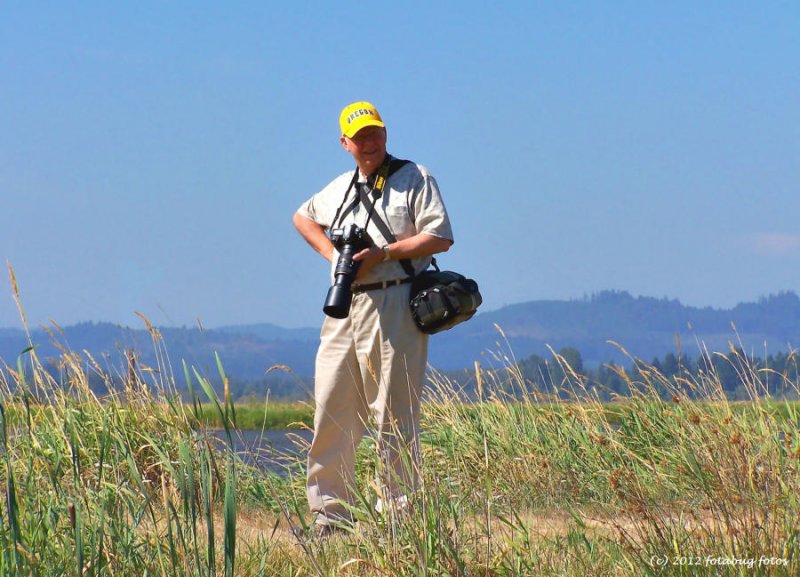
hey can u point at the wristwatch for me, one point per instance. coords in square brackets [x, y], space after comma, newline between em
[386, 255]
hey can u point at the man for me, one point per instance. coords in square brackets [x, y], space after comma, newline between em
[371, 363]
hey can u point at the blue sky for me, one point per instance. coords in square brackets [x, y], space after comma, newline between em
[152, 154]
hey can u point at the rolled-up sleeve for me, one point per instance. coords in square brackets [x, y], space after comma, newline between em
[309, 209]
[321, 208]
[429, 210]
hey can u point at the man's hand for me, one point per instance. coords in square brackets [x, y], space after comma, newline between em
[417, 246]
[369, 257]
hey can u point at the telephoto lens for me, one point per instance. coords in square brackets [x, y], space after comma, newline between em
[348, 241]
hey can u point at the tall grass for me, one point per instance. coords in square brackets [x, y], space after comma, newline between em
[517, 482]
[122, 485]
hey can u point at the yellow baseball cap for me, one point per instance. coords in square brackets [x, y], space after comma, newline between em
[356, 116]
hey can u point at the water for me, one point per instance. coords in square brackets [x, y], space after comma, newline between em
[282, 452]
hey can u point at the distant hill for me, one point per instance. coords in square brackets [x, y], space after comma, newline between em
[647, 328]
[246, 352]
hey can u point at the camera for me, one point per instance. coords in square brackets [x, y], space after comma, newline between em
[349, 241]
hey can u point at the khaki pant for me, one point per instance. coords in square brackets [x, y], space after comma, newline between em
[370, 364]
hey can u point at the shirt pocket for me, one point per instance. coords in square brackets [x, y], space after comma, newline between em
[399, 222]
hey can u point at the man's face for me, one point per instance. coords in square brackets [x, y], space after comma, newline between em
[368, 147]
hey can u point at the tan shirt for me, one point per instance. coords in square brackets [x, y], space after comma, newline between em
[410, 204]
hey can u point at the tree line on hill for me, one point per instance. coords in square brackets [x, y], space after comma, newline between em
[777, 375]
[582, 331]
[736, 372]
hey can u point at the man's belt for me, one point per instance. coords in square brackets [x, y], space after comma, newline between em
[362, 288]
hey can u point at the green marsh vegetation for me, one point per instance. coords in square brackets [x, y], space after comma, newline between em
[256, 416]
[518, 482]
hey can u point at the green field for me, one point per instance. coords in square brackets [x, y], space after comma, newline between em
[280, 416]
[517, 483]
[259, 416]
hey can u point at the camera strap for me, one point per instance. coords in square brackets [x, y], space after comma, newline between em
[378, 185]
[388, 168]
[377, 192]
[353, 204]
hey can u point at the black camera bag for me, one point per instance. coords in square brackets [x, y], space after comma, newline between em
[442, 299]
[439, 299]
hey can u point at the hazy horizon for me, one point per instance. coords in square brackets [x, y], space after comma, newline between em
[140, 323]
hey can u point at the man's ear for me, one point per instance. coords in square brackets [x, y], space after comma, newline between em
[345, 143]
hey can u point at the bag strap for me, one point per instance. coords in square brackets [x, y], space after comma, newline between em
[377, 192]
